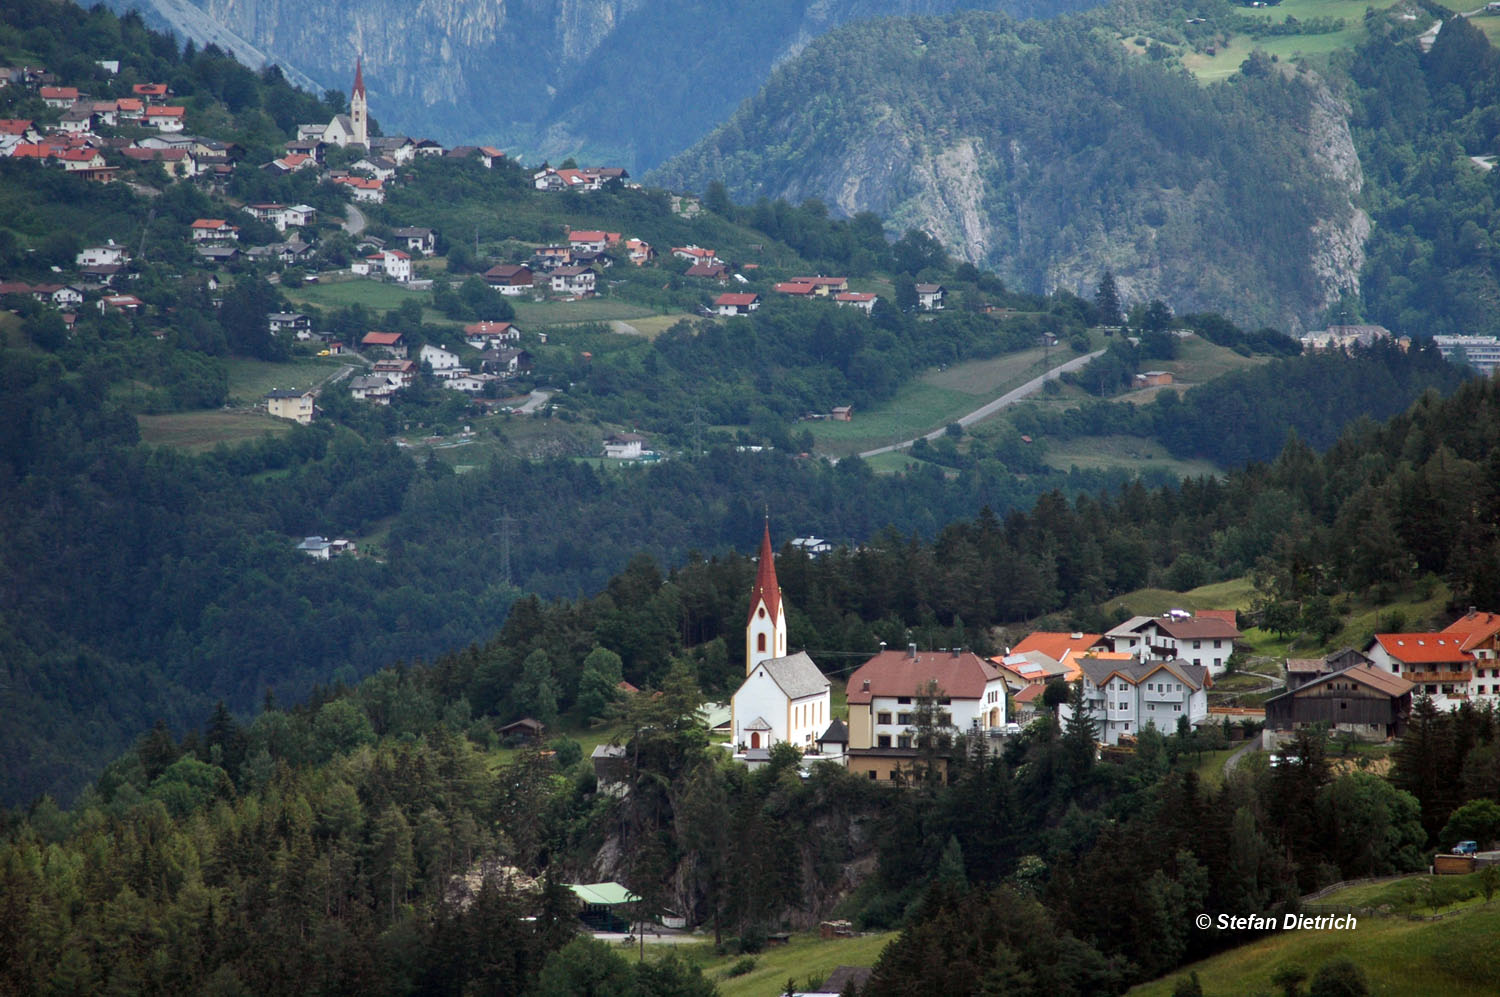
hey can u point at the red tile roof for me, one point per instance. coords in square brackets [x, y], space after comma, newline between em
[487, 328]
[165, 112]
[381, 339]
[897, 673]
[766, 590]
[1424, 648]
[1475, 628]
[14, 126]
[736, 300]
[1056, 645]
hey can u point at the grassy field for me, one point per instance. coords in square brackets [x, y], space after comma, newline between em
[651, 326]
[1210, 768]
[341, 294]
[1233, 594]
[1455, 957]
[1226, 60]
[199, 431]
[1134, 453]
[804, 958]
[1419, 894]
[932, 401]
[544, 313]
[890, 463]
[249, 380]
[1490, 25]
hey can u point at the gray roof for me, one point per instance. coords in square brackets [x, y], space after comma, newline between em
[1135, 672]
[796, 675]
[759, 723]
[836, 733]
[609, 751]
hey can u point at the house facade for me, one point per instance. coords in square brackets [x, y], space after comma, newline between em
[294, 405]
[781, 700]
[1123, 698]
[577, 281]
[1363, 700]
[1202, 640]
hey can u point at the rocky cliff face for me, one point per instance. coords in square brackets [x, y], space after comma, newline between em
[1052, 158]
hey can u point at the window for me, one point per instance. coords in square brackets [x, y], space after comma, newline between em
[1126, 725]
[903, 700]
[873, 775]
[1151, 707]
[1218, 662]
[883, 717]
[904, 741]
[883, 741]
[1177, 707]
[903, 718]
[760, 640]
[1197, 644]
[1124, 706]
[1218, 643]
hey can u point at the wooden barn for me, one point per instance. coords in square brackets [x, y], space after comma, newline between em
[1361, 700]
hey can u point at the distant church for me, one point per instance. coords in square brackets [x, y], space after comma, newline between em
[345, 129]
[783, 698]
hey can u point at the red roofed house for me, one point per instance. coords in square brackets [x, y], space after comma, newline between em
[391, 344]
[639, 252]
[361, 188]
[592, 242]
[1436, 663]
[214, 230]
[883, 696]
[74, 160]
[59, 97]
[824, 286]
[165, 119]
[855, 299]
[695, 254]
[130, 108]
[482, 335]
[736, 304]
[1197, 640]
[149, 89]
[800, 288]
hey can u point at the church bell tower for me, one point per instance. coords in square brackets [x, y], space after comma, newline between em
[359, 107]
[765, 631]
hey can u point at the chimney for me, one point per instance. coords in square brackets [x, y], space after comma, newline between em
[911, 650]
[956, 650]
[882, 647]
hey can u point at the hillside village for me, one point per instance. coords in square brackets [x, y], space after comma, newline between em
[113, 130]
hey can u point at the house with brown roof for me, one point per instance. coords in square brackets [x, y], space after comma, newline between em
[736, 304]
[885, 692]
[483, 335]
[510, 279]
[1198, 640]
[696, 254]
[799, 288]
[576, 281]
[1301, 671]
[165, 119]
[1363, 700]
[930, 297]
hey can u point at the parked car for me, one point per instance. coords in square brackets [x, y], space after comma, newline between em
[1466, 848]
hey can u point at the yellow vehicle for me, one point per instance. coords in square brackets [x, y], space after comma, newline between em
[323, 353]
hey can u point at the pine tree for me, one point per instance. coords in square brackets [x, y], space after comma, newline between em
[1107, 300]
[1080, 732]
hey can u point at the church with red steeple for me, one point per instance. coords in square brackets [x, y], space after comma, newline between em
[359, 107]
[765, 631]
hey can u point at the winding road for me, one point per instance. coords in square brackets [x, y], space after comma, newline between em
[990, 408]
[354, 220]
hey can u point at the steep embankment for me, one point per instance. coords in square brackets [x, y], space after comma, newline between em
[634, 81]
[1045, 151]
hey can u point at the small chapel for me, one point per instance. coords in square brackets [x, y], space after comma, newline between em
[784, 698]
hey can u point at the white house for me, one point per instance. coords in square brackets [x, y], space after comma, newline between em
[417, 239]
[883, 695]
[1437, 663]
[577, 281]
[1124, 698]
[1201, 640]
[624, 446]
[438, 358]
[165, 119]
[781, 700]
[930, 297]
[736, 304]
[102, 256]
[392, 263]
[856, 299]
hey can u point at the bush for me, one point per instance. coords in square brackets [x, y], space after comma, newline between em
[740, 968]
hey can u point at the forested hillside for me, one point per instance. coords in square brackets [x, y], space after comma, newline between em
[1046, 152]
[323, 847]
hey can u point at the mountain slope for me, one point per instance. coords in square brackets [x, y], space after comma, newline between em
[1046, 152]
[633, 81]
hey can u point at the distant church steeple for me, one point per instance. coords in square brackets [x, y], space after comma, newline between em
[765, 631]
[359, 108]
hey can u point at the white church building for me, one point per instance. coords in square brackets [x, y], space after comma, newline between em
[784, 698]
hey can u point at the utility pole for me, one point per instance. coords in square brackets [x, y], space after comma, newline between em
[506, 522]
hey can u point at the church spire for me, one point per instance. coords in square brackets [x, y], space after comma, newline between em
[765, 630]
[359, 75]
[766, 589]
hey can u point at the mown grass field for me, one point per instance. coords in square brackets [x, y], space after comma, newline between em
[249, 380]
[803, 959]
[1455, 957]
[200, 431]
[1226, 60]
[544, 313]
[933, 400]
[358, 291]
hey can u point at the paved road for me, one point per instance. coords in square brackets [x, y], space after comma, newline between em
[990, 408]
[534, 401]
[1233, 761]
[354, 220]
